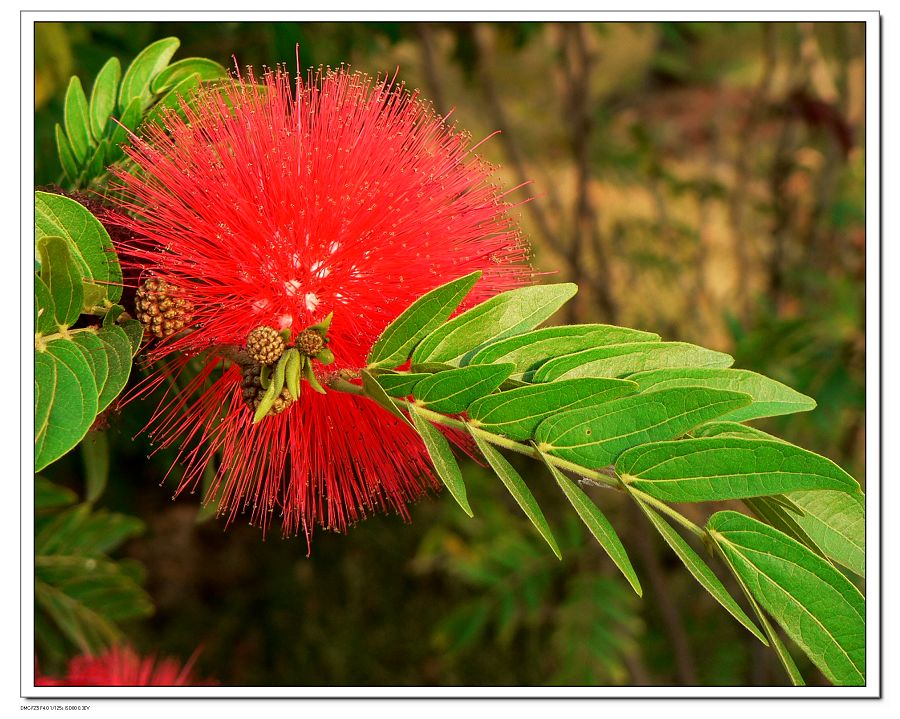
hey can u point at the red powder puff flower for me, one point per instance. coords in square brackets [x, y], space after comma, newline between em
[272, 204]
[122, 667]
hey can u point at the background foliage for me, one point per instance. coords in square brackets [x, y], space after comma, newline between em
[702, 181]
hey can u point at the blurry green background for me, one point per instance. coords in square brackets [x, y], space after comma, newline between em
[701, 180]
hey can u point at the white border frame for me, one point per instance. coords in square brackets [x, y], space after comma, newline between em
[873, 363]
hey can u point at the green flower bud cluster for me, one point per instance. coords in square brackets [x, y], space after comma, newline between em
[272, 384]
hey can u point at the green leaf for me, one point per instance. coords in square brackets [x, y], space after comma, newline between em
[782, 501]
[77, 121]
[698, 568]
[310, 377]
[431, 367]
[132, 329]
[787, 661]
[453, 391]
[173, 98]
[320, 327]
[128, 121]
[771, 511]
[375, 392]
[97, 355]
[93, 297]
[61, 525]
[80, 530]
[517, 413]
[423, 316]
[598, 524]
[62, 278]
[118, 353]
[442, 458]
[625, 359]
[88, 241]
[83, 627]
[596, 436]
[96, 165]
[65, 400]
[103, 96]
[529, 350]
[143, 70]
[517, 488]
[95, 455]
[506, 314]
[292, 368]
[836, 522]
[710, 469]
[784, 656]
[83, 597]
[279, 375]
[401, 384]
[817, 606]
[79, 593]
[731, 429]
[66, 156]
[273, 389]
[176, 72]
[325, 356]
[770, 398]
[44, 310]
[48, 495]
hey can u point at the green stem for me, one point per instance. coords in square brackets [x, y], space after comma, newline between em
[604, 477]
[668, 511]
[599, 476]
[40, 340]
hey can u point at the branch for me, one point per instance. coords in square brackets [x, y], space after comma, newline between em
[605, 476]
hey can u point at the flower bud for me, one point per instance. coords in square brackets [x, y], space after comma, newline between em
[265, 345]
[160, 310]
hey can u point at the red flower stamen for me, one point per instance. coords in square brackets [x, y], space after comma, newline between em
[121, 666]
[276, 204]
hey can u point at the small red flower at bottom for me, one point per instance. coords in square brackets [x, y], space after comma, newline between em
[121, 666]
[276, 204]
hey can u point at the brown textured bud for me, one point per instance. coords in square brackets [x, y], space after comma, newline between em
[281, 403]
[160, 309]
[250, 384]
[252, 391]
[265, 345]
[310, 343]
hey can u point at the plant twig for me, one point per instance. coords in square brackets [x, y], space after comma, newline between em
[338, 383]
